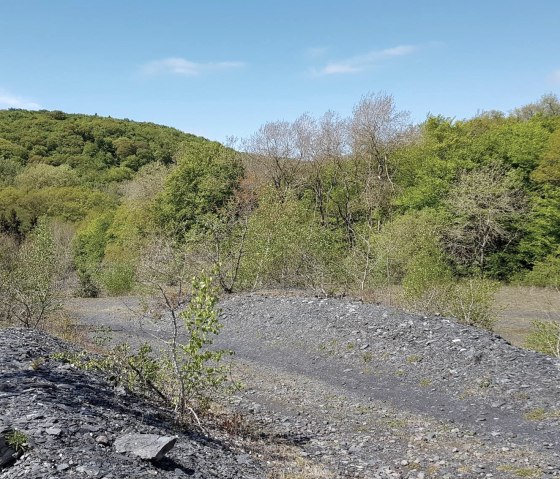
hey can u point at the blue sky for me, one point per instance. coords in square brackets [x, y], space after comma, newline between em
[220, 68]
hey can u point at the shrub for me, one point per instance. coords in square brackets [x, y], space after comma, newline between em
[29, 292]
[118, 277]
[471, 301]
[545, 273]
[545, 338]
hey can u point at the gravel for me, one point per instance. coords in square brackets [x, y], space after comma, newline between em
[71, 419]
[362, 390]
[378, 392]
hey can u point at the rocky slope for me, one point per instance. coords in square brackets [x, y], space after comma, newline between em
[382, 393]
[75, 422]
[366, 391]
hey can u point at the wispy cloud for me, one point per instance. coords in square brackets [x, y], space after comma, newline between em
[180, 66]
[554, 77]
[364, 62]
[7, 100]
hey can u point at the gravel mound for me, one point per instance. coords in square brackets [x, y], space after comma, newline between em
[380, 393]
[440, 353]
[72, 418]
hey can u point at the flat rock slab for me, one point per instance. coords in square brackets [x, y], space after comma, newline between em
[7, 453]
[146, 446]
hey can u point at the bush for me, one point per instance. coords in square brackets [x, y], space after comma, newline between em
[89, 249]
[471, 301]
[545, 273]
[28, 289]
[287, 247]
[188, 373]
[545, 338]
[118, 277]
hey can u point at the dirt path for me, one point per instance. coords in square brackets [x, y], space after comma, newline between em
[366, 391]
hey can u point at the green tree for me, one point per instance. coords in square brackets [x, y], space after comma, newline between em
[484, 207]
[89, 250]
[203, 181]
[30, 291]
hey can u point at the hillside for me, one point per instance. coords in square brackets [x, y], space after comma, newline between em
[66, 165]
[73, 419]
[368, 391]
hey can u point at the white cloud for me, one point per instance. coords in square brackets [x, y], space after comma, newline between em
[554, 77]
[364, 62]
[180, 66]
[7, 100]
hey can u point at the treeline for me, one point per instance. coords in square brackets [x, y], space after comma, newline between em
[438, 212]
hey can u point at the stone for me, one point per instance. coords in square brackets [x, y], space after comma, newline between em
[7, 454]
[103, 440]
[146, 446]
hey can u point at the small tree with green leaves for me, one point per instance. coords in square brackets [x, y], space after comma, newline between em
[185, 319]
[29, 285]
[197, 369]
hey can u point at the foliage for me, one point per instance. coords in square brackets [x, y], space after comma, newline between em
[286, 246]
[484, 207]
[471, 301]
[28, 286]
[89, 249]
[197, 369]
[545, 272]
[203, 181]
[17, 440]
[545, 338]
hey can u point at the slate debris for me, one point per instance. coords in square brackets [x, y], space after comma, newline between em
[427, 397]
[72, 418]
[146, 446]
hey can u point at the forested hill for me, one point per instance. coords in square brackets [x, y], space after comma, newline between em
[88, 143]
[63, 164]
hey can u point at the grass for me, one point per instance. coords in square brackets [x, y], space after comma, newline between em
[425, 383]
[413, 359]
[521, 471]
[17, 440]
[540, 414]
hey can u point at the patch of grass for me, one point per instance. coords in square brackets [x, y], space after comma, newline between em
[425, 382]
[484, 383]
[400, 373]
[521, 471]
[367, 357]
[330, 347]
[17, 440]
[540, 414]
[396, 423]
[37, 363]
[413, 359]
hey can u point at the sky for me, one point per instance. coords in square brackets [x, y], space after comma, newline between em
[224, 68]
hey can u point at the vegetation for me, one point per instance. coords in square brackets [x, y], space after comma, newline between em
[440, 212]
[184, 375]
[545, 338]
[17, 440]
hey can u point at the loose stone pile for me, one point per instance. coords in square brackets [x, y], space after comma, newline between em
[77, 425]
[378, 393]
